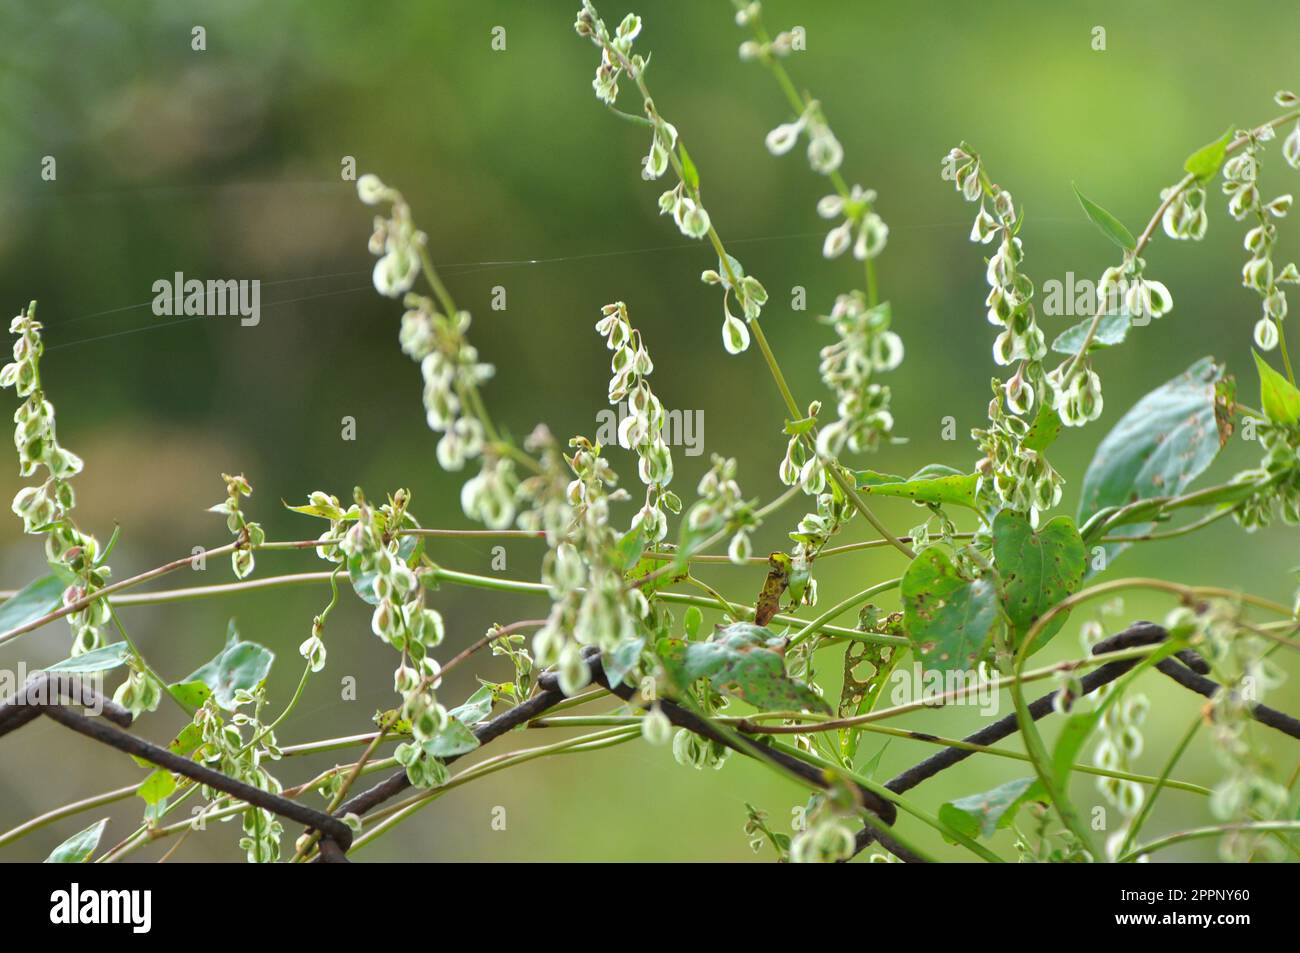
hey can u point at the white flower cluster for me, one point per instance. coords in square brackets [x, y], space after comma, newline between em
[1238, 659]
[248, 536]
[1240, 183]
[450, 367]
[859, 218]
[642, 429]
[824, 150]
[750, 295]
[47, 508]
[865, 347]
[373, 546]
[225, 749]
[449, 364]
[1126, 287]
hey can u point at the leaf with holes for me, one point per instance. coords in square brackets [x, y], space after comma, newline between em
[946, 616]
[743, 660]
[1037, 569]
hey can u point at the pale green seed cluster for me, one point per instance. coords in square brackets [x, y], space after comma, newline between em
[721, 506]
[824, 151]
[1020, 478]
[374, 551]
[862, 228]
[865, 348]
[642, 429]
[46, 509]
[1278, 477]
[749, 294]
[1017, 476]
[1241, 185]
[226, 748]
[448, 363]
[682, 201]
[248, 535]
[591, 605]
[1010, 299]
[828, 841]
[693, 751]
[1119, 745]
[1249, 790]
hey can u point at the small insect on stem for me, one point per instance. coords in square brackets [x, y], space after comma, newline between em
[774, 586]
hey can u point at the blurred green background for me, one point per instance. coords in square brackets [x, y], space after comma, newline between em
[226, 163]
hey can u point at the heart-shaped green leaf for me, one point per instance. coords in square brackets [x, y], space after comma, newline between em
[1037, 569]
[240, 666]
[946, 615]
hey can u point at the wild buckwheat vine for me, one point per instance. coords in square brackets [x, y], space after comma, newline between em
[1241, 185]
[683, 202]
[46, 509]
[1020, 476]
